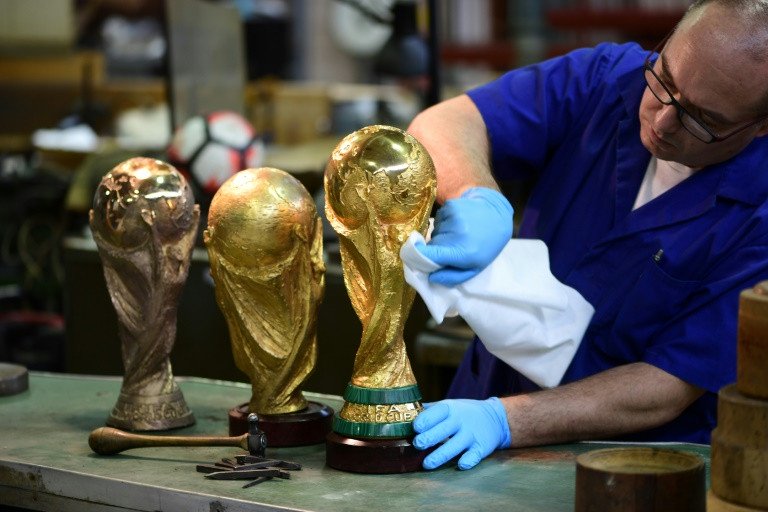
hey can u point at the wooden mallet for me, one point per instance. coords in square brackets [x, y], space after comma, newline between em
[109, 441]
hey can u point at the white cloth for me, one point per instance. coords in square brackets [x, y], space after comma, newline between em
[518, 309]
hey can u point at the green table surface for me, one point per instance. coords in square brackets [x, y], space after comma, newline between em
[46, 464]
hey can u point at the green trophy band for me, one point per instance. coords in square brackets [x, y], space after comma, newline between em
[378, 412]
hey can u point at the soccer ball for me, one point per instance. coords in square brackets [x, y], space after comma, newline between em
[209, 149]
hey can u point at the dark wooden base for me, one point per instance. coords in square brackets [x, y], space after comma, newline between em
[308, 426]
[372, 455]
[640, 479]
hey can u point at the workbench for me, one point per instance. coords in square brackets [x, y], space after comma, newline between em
[46, 464]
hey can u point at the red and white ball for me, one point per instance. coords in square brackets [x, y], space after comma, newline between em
[211, 148]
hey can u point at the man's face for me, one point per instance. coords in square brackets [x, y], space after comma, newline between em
[716, 82]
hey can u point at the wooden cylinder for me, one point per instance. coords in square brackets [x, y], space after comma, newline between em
[741, 419]
[752, 376]
[739, 467]
[739, 472]
[717, 504]
[639, 479]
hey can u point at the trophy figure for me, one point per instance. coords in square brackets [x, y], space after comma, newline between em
[379, 187]
[144, 221]
[265, 247]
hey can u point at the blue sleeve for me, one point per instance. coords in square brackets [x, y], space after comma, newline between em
[530, 110]
[699, 344]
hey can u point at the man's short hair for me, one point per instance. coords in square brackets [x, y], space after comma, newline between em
[755, 13]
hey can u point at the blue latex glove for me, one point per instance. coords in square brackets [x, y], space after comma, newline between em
[470, 231]
[476, 427]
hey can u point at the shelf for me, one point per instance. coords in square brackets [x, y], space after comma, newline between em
[499, 55]
[629, 21]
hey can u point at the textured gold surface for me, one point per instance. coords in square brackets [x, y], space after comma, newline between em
[379, 187]
[380, 413]
[265, 246]
[144, 222]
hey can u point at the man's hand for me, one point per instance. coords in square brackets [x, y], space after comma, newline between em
[475, 427]
[470, 231]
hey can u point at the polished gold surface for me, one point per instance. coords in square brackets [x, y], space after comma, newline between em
[144, 221]
[265, 246]
[379, 187]
[381, 413]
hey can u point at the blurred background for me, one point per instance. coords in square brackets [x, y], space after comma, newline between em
[86, 84]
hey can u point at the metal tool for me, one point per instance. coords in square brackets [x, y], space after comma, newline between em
[251, 460]
[247, 474]
[248, 467]
[109, 441]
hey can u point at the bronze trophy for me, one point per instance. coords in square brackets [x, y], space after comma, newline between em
[265, 246]
[379, 187]
[144, 221]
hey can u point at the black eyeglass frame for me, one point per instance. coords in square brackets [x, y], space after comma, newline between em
[681, 111]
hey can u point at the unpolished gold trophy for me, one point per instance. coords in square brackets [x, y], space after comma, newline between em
[144, 220]
[265, 246]
[379, 187]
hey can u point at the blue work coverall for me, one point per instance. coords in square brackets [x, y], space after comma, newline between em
[665, 278]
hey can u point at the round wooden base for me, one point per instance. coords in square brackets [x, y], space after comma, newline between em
[372, 455]
[308, 426]
[639, 479]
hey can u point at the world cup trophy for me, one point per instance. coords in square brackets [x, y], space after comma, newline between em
[265, 247]
[144, 221]
[379, 187]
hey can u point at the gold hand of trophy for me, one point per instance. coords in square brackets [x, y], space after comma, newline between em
[379, 187]
[144, 221]
[265, 247]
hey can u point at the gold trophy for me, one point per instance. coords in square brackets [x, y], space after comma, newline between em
[144, 221]
[379, 187]
[265, 246]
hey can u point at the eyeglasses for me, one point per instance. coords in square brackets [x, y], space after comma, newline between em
[693, 125]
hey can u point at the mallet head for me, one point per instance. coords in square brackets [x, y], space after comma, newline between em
[257, 440]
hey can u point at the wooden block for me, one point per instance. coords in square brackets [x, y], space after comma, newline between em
[308, 426]
[739, 468]
[739, 472]
[381, 456]
[741, 419]
[716, 504]
[752, 377]
[639, 479]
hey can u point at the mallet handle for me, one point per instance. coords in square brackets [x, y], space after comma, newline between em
[109, 441]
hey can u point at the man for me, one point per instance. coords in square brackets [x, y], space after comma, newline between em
[652, 196]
